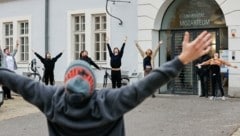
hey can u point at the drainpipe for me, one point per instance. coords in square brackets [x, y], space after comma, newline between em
[46, 25]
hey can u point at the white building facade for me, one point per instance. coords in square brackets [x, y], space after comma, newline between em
[72, 26]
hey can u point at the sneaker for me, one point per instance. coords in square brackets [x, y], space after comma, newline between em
[153, 95]
[211, 97]
[223, 98]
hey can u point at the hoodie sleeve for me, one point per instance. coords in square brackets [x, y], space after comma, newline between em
[32, 91]
[119, 101]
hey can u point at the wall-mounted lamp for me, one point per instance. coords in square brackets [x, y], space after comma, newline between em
[233, 32]
[114, 1]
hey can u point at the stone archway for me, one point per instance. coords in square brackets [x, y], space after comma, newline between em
[193, 16]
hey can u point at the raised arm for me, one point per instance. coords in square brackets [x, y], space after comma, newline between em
[1, 51]
[16, 48]
[126, 98]
[109, 47]
[39, 56]
[17, 44]
[156, 50]
[140, 49]
[123, 46]
[57, 57]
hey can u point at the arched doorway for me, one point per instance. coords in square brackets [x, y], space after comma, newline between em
[193, 16]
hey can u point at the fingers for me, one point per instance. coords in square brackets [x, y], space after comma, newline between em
[186, 38]
[136, 42]
[196, 48]
[206, 50]
[107, 39]
[125, 38]
[17, 43]
[203, 40]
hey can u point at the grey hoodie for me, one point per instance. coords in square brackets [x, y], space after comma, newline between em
[100, 115]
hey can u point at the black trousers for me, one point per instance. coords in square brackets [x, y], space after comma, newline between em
[116, 78]
[48, 77]
[6, 92]
[216, 81]
[204, 79]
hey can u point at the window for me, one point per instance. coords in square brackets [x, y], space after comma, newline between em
[24, 40]
[88, 32]
[100, 36]
[8, 35]
[78, 34]
[13, 30]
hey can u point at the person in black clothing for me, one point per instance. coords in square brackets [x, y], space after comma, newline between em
[215, 64]
[84, 56]
[203, 74]
[115, 62]
[49, 64]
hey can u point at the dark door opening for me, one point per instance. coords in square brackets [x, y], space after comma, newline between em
[187, 81]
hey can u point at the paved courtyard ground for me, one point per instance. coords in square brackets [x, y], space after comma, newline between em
[165, 115]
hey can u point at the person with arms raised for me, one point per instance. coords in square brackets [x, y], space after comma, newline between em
[77, 108]
[49, 65]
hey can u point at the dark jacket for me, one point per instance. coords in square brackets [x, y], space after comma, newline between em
[204, 70]
[100, 115]
[115, 61]
[90, 61]
[49, 64]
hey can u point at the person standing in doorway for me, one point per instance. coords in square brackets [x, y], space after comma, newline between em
[204, 73]
[115, 62]
[148, 58]
[49, 64]
[215, 65]
[8, 61]
[84, 56]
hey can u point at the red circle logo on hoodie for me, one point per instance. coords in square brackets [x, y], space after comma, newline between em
[84, 73]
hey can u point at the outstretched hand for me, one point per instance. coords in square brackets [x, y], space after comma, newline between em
[196, 48]
[125, 40]
[17, 43]
[136, 42]
[107, 40]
